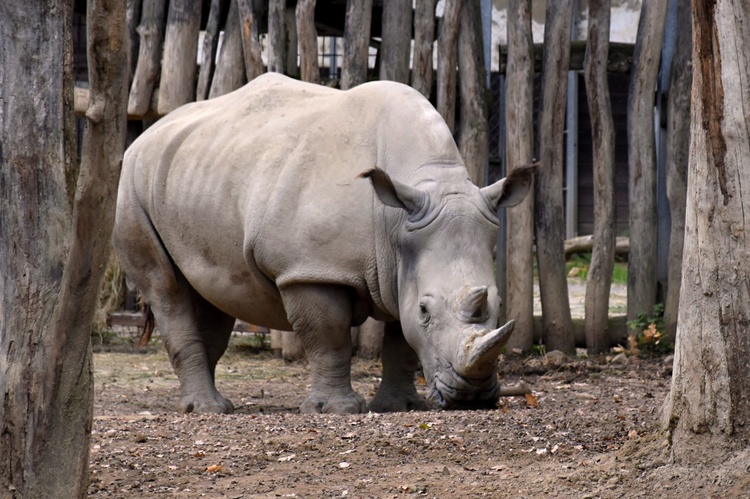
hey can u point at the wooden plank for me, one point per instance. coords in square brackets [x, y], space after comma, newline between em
[177, 86]
[424, 40]
[151, 32]
[230, 68]
[356, 43]
[308, 41]
[277, 36]
[249, 20]
[210, 46]
[447, 55]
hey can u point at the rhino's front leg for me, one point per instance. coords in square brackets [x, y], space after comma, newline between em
[322, 316]
[397, 392]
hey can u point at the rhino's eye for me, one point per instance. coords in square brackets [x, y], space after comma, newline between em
[424, 313]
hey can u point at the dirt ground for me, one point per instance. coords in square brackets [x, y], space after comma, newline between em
[589, 429]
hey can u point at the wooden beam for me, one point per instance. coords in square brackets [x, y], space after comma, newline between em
[81, 103]
[620, 57]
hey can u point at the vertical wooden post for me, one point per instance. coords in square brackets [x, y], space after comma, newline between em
[291, 43]
[308, 41]
[424, 40]
[473, 137]
[249, 20]
[230, 68]
[447, 54]
[642, 159]
[277, 36]
[519, 119]
[549, 219]
[396, 45]
[177, 85]
[356, 43]
[151, 31]
[210, 45]
[678, 147]
[599, 280]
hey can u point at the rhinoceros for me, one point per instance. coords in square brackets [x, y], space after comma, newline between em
[257, 205]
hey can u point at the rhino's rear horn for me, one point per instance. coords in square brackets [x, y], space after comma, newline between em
[472, 304]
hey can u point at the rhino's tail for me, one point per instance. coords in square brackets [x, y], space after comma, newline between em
[148, 326]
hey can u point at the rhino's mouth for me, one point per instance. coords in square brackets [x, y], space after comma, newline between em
[450, 390]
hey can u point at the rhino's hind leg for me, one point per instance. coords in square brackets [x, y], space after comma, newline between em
[397, 392]
[322, 316]
[194, 331]
[196, 334]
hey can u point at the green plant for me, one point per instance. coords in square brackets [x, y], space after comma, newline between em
[647, 333]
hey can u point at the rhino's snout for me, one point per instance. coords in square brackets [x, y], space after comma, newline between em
[450, 390]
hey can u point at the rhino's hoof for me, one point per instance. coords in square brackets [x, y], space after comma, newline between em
[216, 405]
[398, 404]
[337, 404]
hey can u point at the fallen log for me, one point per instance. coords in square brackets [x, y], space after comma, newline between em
[584, 244]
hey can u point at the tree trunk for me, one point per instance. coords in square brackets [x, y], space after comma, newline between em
[678, 147]
[356, 43]
[473, 136]
[151, 32]
[708, 407]
[210, 46]
[519, 119]
[447, 54]
[642, 159]
[396, 45]
[277, 36]
[55, 224]
[308, 41]
[230, 70]
[599, 280]
[424, 39]
[550, 223]
[249, 20]
[177, 85]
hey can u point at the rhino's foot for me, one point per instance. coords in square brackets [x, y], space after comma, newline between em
[390, 402]
[205, 404]
[351, 403]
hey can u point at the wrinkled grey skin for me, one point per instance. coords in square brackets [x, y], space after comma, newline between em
[253, 206]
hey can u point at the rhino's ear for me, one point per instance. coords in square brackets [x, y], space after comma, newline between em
[394, 193]
[512, 189]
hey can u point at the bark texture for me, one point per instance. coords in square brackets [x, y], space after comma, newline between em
[230, 68]
[55, 226]
[356, 43]
[709, 405]
[396, 46]
[519, 122]
[447, 54]
[424, 40]
[249, 20]
[549, 220]
[177, 85]
[642, 159]
[473, 137]
[210, 46]
[678, 147]
[599, 280]
[308, 41]
[277, 36]
[151, 32]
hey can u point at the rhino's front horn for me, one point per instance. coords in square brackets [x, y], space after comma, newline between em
[479, 350]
